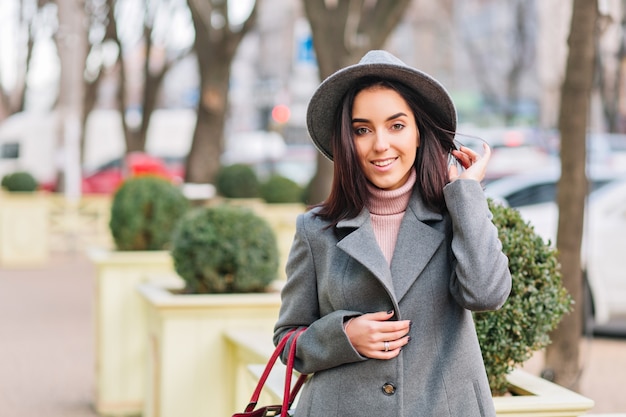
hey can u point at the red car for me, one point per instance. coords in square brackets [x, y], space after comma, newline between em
[108, 177]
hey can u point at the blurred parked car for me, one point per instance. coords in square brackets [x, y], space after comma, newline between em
[604, 237]
[537, 186]
[513, 150]
[106, 178]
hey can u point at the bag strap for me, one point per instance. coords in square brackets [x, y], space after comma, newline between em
[289, 395]
[270, 364]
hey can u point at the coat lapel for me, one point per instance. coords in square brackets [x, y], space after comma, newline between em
[361, 245]
[416, 244]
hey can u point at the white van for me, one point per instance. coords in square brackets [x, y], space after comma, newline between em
[29, 141]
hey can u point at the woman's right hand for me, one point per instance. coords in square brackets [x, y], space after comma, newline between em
[475, 165]
[370, 334]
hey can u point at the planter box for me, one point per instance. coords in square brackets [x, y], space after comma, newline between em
[282, 219]
[120, 326]
[537, 397]
[78, 224]
[24, 229]
[191, 365]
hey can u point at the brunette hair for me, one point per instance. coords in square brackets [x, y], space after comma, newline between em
[349, 192]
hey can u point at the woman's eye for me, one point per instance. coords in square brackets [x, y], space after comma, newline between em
[397, 126]
[360, 131]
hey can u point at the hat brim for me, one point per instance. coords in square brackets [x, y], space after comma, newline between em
[324, 104]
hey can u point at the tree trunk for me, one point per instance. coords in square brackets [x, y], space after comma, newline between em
[215, 48]
[609, 79]
[153, 77]
[562, 358]
[343, 31]
[135, 138]
[72, 44]
[14, 101]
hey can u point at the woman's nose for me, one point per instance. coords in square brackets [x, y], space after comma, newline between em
[381, 144]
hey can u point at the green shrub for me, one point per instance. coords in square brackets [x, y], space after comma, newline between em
[224, 249]
[279, 189]
[237, 181]
[19, 181]
[535, 307]
[144, 211]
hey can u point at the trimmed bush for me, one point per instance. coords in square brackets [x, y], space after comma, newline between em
[237, 181]
[279, 189]
[19, 181]
[144, 211]
[537, 303]
[224, 249]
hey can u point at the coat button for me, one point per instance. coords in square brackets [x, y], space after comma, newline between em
[389, 388]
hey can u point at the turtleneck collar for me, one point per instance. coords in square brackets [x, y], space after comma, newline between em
[386, 202]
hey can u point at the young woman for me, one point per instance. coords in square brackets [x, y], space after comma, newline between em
[384, 274]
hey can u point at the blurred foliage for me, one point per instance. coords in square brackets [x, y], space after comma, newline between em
[19, 181]
[237, 181]
[280, 189]
[535, 306]
[144, 211]
[224, 249]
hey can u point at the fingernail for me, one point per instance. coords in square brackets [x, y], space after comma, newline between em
[390, 311]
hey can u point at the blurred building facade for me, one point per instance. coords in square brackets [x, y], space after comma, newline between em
[495, 58]
[492, 56]
[503, 62]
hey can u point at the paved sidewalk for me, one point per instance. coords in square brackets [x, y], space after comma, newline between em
[47, 339]
[603, 375]
[47, 346]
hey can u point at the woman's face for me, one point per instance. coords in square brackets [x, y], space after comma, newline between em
[385, 136]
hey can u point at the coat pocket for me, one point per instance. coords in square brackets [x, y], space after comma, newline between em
[469, 400]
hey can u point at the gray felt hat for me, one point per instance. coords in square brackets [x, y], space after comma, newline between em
[324, 104]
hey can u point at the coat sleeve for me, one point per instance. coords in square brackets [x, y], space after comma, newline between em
[481, 280]
[324, 344]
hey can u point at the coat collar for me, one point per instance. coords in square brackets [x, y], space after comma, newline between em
[416, 244]
[416, 205]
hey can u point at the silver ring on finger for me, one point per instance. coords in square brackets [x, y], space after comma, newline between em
[386, 346]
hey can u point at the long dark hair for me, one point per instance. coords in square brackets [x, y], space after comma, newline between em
[349, 192]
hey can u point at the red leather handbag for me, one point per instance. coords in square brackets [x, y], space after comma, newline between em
[289, 394]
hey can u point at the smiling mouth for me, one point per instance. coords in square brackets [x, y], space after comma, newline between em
[384, 163]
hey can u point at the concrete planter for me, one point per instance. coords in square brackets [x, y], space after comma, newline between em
[282, 219]
[24, 229]
[78, 224]
[120, 326]
[537, 397]
[191, 366]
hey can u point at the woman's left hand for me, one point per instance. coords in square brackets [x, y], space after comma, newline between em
[475, 165]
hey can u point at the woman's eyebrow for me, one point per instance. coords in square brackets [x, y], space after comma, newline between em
[393, 116]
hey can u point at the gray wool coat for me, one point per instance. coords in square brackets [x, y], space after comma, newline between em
[443, 267]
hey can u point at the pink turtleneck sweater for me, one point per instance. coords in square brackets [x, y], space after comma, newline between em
[386, 211]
